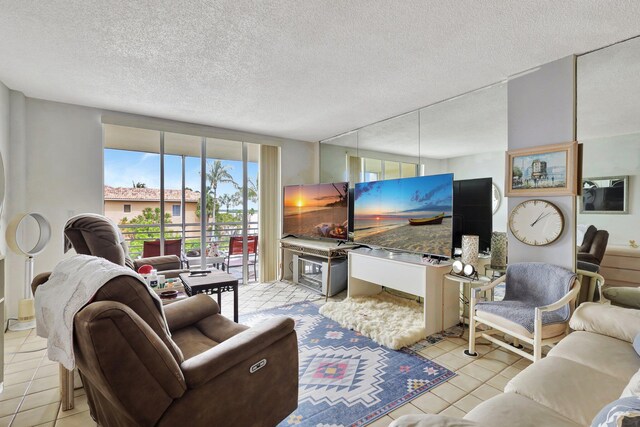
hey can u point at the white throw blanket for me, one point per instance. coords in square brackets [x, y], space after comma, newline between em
[72, 285]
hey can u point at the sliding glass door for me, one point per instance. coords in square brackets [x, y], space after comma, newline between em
[196, 197]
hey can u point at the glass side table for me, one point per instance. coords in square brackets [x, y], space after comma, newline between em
[495, 271]
[467, 283]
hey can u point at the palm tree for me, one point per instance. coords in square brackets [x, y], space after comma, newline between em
[209, 205]
[226, 200]
[138, 184]
[252, 190]
[218, 173]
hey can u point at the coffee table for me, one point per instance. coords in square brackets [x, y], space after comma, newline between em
[215, 282]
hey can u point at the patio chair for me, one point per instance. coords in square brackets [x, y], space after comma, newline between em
[151, 248]
[234, 257]
[538, 302]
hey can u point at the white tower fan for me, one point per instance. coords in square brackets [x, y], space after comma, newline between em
[26, 310]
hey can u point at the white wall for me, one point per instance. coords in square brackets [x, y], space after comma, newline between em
[5, 118]
[542, 111]
[57, 154]
[613, 156]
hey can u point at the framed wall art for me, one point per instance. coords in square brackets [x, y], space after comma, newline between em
[547, 170]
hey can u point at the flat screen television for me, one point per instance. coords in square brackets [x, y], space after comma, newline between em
[473, 210]
[408, 214]
[316, 211]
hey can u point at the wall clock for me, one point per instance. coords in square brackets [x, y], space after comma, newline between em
[495, 197]
[536, 222]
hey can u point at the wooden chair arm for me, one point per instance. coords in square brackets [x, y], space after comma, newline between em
[491, 285]
[599, 283]
[572, 294]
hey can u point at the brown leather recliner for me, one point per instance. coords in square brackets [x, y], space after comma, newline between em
[209, 372]
[593, 245]
[95, 235]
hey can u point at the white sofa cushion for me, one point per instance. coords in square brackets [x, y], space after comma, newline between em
[572, 389]
[429, 420]
[605, 319]
[510, 409]
[605, 354]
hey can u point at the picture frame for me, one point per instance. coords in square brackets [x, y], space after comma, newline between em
[605, 195]
[546, 170]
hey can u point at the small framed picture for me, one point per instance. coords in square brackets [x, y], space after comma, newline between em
[547, 170]
[605, 195]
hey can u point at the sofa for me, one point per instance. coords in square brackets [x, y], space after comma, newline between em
[584, 372]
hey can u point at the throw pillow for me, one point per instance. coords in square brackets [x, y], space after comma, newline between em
[623, 412]
[623, 296]
[636, 344]
[609, 320]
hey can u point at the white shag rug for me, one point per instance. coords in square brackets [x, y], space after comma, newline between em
[390, 321]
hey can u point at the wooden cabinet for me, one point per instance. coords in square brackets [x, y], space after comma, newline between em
[621, 266]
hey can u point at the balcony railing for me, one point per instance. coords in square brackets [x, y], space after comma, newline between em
[216, 232]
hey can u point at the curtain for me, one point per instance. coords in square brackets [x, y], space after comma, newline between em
[269, 217]
[355, 170]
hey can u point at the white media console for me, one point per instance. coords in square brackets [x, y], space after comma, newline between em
[371, 269]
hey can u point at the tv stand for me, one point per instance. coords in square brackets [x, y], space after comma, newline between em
[371, 270]
[328, 250]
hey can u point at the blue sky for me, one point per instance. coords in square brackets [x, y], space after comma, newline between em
[122, 167]
[405, 196]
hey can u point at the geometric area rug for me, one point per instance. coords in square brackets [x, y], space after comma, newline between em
[346, 379]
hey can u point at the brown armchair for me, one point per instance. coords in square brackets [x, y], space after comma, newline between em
[205, 370]
[97, 235]
[593, 245]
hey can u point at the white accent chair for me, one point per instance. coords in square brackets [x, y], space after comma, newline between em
[499, 324]
[596, 281]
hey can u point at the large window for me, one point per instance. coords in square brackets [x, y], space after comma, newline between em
[378, 170]
[173, 193]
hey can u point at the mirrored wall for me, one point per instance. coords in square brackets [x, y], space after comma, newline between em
[608, 126]
[465, 136]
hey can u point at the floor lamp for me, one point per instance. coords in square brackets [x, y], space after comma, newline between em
[16, 242]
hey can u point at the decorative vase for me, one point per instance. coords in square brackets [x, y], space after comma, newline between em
[470, 246]
[499, 249]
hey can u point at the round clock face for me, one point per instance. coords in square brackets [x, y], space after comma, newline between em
[495, 198]
[536, 222]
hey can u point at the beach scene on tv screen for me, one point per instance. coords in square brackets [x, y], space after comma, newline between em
[412, 214]
[316, 211]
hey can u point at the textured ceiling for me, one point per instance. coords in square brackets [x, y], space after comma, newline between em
[608, 91]
[299, 69]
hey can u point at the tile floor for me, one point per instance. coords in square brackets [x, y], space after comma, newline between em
[31, 393]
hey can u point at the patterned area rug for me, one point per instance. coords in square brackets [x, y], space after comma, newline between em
[346, 379]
